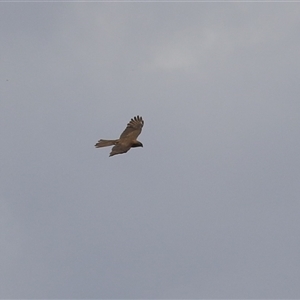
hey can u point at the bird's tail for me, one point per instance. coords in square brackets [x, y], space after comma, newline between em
[105, 143]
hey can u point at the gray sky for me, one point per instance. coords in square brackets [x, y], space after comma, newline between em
[209, 208]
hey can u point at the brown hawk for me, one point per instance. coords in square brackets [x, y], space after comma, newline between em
[127, 139]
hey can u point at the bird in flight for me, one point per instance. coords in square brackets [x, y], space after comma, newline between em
[128, 138]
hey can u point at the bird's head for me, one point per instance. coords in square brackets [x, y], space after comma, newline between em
[137, 144]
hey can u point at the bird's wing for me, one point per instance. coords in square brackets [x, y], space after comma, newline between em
[119, 149]
[133, 129]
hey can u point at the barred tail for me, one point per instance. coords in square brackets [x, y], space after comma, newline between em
[105, 143]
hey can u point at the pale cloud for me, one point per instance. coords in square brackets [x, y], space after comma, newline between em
[208, 208]
[195, 47]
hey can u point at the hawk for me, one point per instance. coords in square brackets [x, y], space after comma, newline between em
[128, 138]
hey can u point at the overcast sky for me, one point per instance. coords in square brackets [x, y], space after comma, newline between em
[208, 208]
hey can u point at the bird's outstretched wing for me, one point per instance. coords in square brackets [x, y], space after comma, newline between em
[133, 129]
[119, 149]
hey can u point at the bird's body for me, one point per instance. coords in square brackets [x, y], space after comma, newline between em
[127, 140]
